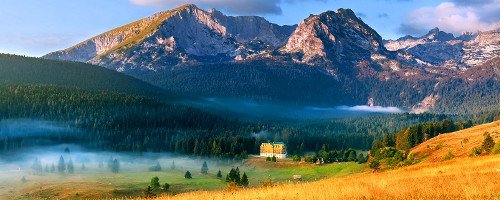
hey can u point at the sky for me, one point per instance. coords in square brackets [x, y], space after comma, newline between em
[37, 27]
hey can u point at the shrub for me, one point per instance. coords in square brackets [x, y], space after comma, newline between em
[273, 159]
[488, 143]
[296, 158]
[496, 148]
[148, 192]
[476, 151]
[268, 182]
[155, 183]
[268, 158]
[166, 186]
[448, 156]
[361, 159]
[374, 164]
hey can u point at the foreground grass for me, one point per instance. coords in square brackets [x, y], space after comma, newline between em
[465, 178]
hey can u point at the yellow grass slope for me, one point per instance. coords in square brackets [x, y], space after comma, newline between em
[459, 178]
[459, 143]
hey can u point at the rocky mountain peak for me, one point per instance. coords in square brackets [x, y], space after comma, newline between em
[336, 37]
[437, 35]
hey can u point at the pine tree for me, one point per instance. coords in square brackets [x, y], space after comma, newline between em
[488, 143]
[71, 168]
[219, 174]
[188, 175]
[352, 156]
[204, 168]
[61, 167]
[115, 166]
[172, 167]
[361, 159]
[244, 180]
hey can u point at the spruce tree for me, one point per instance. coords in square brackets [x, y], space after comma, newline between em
[61, 166]
[115, 166]
[244, 180]
[488, 143]
[188, 175]
[172, 167]
[204, 168]
[71, 167]
[219, 174]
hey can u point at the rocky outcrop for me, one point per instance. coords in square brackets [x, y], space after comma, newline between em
[336, 37]
[180, 36]
[439, 48]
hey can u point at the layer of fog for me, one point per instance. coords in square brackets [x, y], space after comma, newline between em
[16, 165]
[262, 109]
[24, 160]
[30, 128]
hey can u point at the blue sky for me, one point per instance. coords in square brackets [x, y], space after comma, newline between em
[36, 27]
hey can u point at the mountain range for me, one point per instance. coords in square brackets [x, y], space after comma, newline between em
[333, 58]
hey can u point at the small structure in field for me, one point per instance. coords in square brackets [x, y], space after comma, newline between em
[276, 149]
[297, 177]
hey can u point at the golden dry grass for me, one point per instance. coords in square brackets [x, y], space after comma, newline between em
[459, 178]
[466, 178]
[459, 143]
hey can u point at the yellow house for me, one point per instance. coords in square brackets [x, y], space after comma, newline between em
[277, 149]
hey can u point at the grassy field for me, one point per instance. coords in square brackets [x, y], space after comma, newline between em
[465, 178]
[130, 183]
[461, 177]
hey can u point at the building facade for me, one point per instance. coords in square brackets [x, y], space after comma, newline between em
[277, 149]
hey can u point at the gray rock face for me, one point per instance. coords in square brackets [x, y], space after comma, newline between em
[334, 37]
[183, 35]
[443, 49]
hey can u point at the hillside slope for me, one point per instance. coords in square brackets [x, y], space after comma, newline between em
[459, 143]
[460, 178]
[19, 70]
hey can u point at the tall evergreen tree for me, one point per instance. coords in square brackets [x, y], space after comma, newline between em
[61, 166]
[71, 167]
[187, 175]
[244, 180]
[488, 143]
[204, 168]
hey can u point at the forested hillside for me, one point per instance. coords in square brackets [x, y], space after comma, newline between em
[16, 70]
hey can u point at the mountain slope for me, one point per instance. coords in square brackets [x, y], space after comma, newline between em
[458, 143]
[337, 37]
[185, 35]
[333, 58]
[18, 70]
[443, 49]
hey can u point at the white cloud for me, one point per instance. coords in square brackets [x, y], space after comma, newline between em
[454, 17]
[375, 109]
[243, 7]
